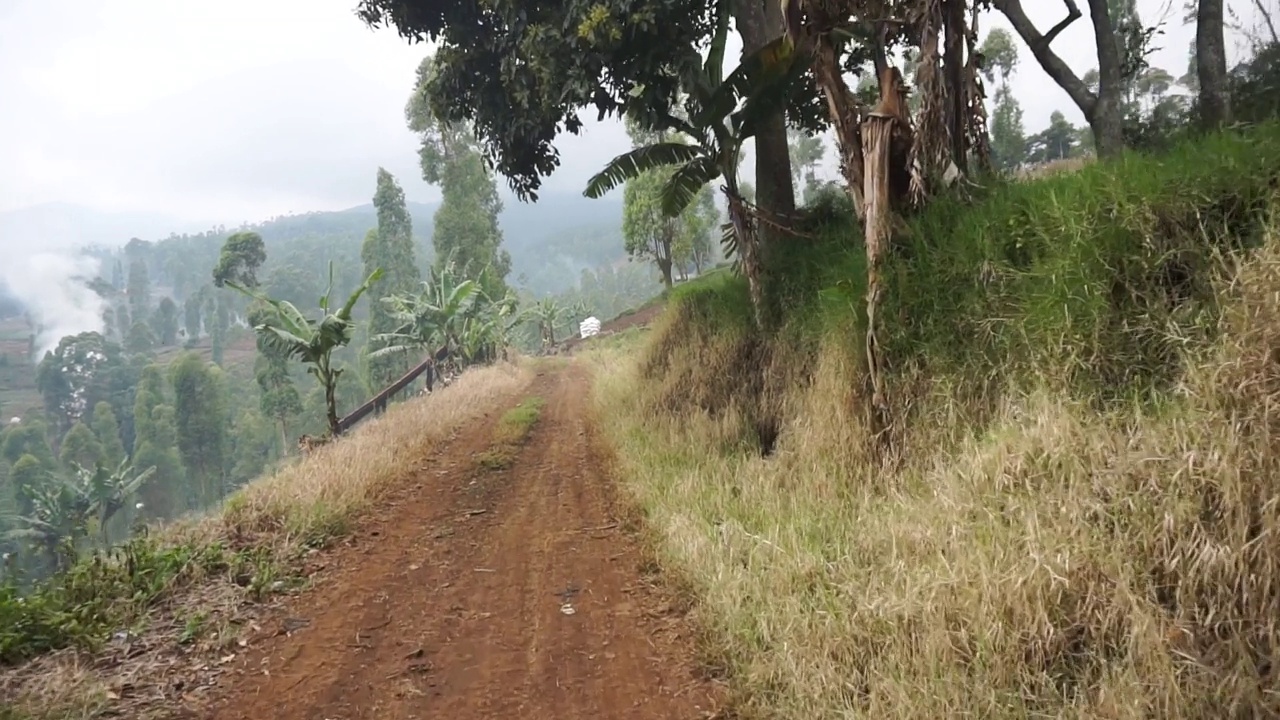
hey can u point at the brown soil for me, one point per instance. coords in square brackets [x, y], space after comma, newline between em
[479, 594]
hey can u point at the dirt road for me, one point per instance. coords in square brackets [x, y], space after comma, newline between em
[484, 594]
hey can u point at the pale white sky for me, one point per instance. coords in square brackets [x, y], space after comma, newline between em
[234, 110]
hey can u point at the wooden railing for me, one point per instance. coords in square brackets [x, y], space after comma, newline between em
[378, 403]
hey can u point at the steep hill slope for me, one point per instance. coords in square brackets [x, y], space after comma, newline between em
[1077, 516]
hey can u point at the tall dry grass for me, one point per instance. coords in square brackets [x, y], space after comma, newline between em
[1052, 167]
[318, 495]
[1057, 562]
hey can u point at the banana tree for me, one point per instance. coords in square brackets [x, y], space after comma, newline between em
[486, 334]
[293, 334]
[63, 506]
[108, 490]
[550, 314]
[59, 517]
[719, 115]
[434, 319]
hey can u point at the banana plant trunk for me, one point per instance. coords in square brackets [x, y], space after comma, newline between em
[877, 133]
[748, 251]
[846, 117]
[330, 382]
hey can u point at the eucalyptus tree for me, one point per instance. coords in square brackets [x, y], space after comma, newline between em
[390, 247]
[240, 259]
[466, 232]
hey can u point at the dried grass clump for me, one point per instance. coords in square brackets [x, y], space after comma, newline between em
[1053, 167]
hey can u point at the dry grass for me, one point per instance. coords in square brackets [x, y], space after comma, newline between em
[316, 497]
[1063, 563]
[263, 541]
[1053, 167]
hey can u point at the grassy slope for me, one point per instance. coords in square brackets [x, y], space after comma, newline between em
[181, 589]
[1082, 521]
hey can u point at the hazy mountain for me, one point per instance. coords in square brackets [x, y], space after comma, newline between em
[64, 226]
[550, 241]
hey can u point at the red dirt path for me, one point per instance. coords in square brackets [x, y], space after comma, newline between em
[452, 602]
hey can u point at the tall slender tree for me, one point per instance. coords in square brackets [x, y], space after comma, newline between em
[200, 407]
[191, 315]
[390, 246]
[107, 430]
[80, 447]
[166, 321]
[466, 234]
[806, 152]
[1103, 107]
[139, 291]
[1211, 64]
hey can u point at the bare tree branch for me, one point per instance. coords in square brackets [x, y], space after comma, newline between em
[1073, 14]
[1057, 69]
[1266, 17]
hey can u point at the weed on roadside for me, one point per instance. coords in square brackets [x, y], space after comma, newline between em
[512, 430]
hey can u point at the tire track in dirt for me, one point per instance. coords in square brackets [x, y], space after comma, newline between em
[477, 594]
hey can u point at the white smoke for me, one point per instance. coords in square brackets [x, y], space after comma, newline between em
[52, 287]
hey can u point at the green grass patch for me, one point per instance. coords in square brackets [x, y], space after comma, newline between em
[112, 591]
[513, 428]
[1088, 282]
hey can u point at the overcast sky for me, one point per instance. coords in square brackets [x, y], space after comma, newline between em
[231, 110]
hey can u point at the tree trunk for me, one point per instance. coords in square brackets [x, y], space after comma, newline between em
[846, 117]
[877, 135]
[748, 251]
[331, 401]
[1107, 124]
[759, 22]
[953, 67]
[1106, 118]
[1211, 65]
[664, 266]
[1102, 110]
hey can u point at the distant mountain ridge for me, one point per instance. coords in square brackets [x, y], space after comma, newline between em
[550, 241]
[59, 225]
[67, 226]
